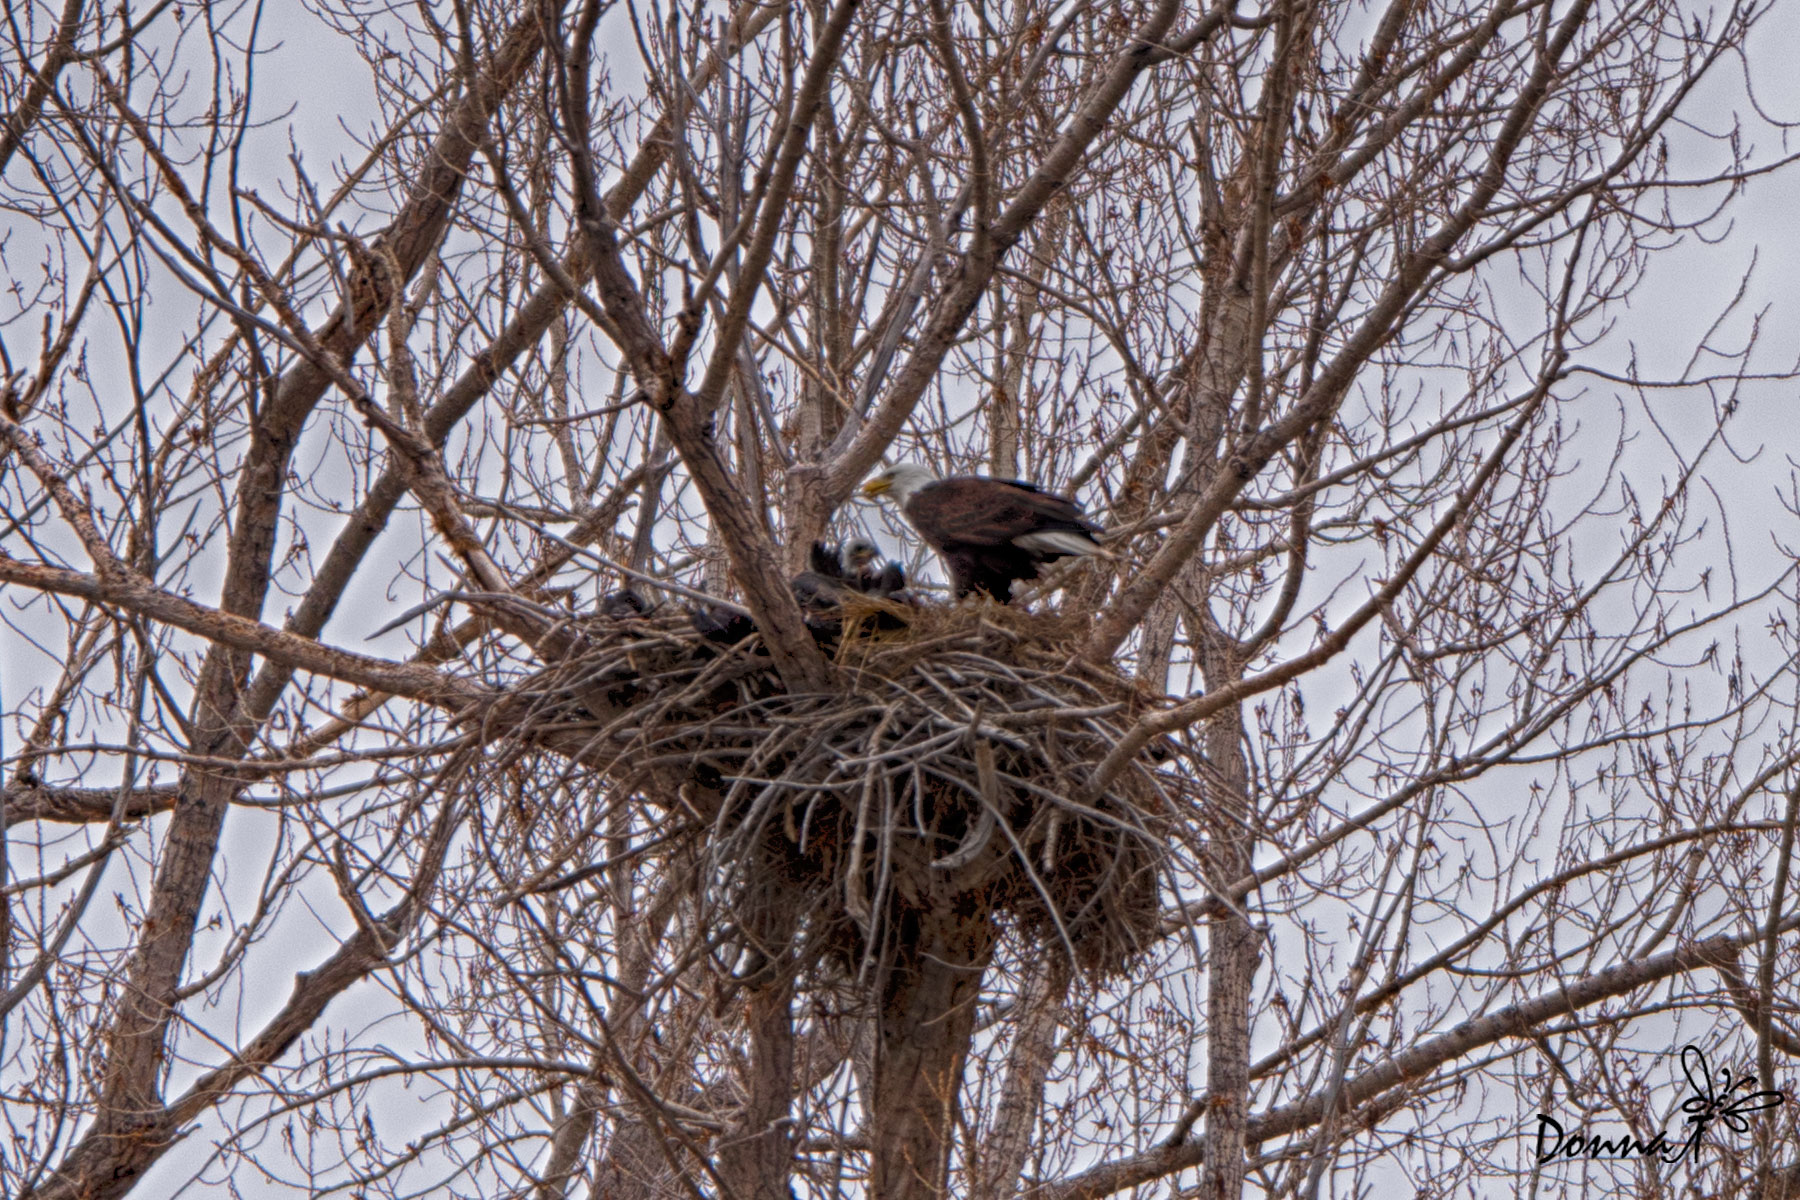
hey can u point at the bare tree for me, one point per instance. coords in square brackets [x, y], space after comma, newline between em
[1427, 633]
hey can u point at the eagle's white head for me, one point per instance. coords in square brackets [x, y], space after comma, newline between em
[899, 481]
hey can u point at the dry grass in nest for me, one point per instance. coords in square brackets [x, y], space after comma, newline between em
[943, 777]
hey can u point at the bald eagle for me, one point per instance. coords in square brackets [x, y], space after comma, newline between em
[868, 572]
[834, 573]
[624, 605]
[990, 532]
[858, 565]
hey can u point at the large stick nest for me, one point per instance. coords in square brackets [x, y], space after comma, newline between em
[946, 775]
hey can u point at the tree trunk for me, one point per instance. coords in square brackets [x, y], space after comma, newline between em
[757, 1157]
[923, 1027]
[1232, 954]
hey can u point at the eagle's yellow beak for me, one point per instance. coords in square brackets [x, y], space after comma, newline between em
[876, 486]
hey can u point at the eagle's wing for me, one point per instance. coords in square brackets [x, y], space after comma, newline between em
[824, 560]
[972, 511]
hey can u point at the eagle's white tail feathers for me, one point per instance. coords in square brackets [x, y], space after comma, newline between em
[1058, 541]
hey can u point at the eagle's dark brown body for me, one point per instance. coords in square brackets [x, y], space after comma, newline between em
[990, 532]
